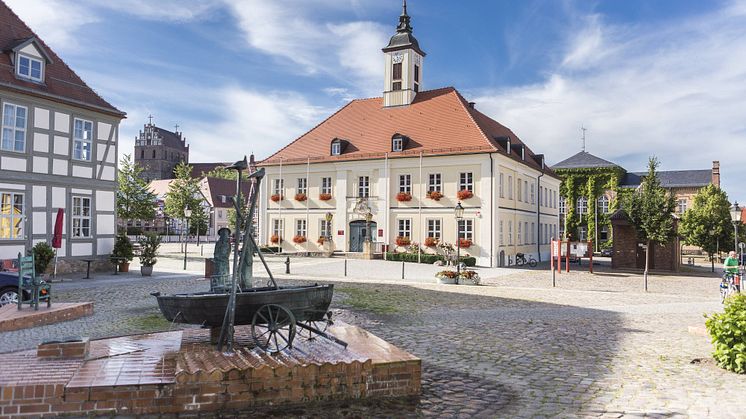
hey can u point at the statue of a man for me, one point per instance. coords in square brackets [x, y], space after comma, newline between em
[222, 256]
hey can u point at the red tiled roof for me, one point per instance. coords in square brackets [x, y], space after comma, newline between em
[61, 84]
[214, 188]
[438, 122]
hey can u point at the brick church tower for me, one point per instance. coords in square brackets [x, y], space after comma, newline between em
[158, 151]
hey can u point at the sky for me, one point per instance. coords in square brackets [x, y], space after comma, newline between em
[663, 78]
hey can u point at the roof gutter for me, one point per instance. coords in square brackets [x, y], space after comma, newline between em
[69, 101]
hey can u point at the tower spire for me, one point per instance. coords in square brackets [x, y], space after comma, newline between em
[404, 19]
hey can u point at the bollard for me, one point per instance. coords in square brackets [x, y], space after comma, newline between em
[287, 265]
[345, 267]
[554, 283]
[201, 249]
[402, 270]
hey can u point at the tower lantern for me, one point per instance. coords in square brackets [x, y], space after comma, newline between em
[403, 60]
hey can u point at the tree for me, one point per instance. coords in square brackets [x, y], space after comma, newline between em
[134, 199]
[222, 173]
[708, 224]
[649, 209]
[184, 192]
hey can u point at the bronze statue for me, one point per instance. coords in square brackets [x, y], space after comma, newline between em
[221, 256]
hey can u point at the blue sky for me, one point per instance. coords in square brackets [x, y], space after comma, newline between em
[646, 77]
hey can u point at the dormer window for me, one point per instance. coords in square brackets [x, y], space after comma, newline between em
[30, 68]
[336, 148]
[398, 144]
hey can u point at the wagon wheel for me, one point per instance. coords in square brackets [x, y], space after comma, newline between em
[273, 328]
[320, 325]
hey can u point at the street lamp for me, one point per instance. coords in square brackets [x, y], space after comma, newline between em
[458, 212]
[328, 217]
[187, 214]
[368, 219]
[735, 216]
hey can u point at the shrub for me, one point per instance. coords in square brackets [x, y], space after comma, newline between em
[300, 197]
[299, 239]
[464, 194]
[275, 239]
[431, 241]
[728, 337]
[276, 197]
[434, 195]
[425, 258]
[447, 274]
[472, 276]
[403, 241]
[403, 196]
[149, 249]
[43, 254]
[325, 196]
[123, 248]
[134, 231]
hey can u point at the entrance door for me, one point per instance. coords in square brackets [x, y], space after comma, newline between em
[358, 232]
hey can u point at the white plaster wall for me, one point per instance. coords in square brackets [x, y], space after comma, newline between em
[81, 249]
[41, 118]
[61, 122]
[105, 246]
[11, 251]
[12, 163]
[105, 200]
[41, 164]
[39, 221]
[39, 194]
[13, 186]
[62, 251]
[59, 167]
[58, 198]
[103, 131]
[61, 145]
[31, 50]
[108, 173]
[82, 171]
[41, 142]
[105, 224]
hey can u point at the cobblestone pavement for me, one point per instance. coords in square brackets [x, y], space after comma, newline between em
[595, 346]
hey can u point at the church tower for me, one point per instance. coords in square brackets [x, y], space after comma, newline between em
[403, 64]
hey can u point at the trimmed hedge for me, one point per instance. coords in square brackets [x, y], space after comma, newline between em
[426, 258]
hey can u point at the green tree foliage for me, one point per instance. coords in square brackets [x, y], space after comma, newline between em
[134, 199]
[728, 334]
[708, 224]
[198, 221]
[184, 192]
[222, 173]
[649, 210]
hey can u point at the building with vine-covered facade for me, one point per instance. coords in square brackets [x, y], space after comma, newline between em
[592, 188]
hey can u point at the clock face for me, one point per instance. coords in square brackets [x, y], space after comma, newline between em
[397, 57]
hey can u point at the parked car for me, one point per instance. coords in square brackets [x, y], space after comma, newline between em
[8, 288]
[606, 252]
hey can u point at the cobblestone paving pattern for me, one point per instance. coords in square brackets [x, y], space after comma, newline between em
[503, 350]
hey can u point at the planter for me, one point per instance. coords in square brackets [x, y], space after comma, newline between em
[434, 195]
[431, 241]
[146, 270]
[299, 239]
[124, 267]
[403, 241]
[321, 241]
[403, 196]
[300, 197]
[445, 280]
[464, 194]
[465, 243]
[325, 196]
[275, 239]
[276, 197]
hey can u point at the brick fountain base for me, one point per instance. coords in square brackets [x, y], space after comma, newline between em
[177, 372]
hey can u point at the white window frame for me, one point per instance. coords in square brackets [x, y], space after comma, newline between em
[582, 205]
[519, 191]
[302, 185]
[397, 144]
[278, 227]
[519, 236]
[326, 185]
[8, 217]
[533, 196]
[466, 181]
[13, 128]
[603, 204]
[325, 228]
[434, 228]
[404, 227]
[510, 187]
[31, 60]
[533, 233]
[363, 186]
[502, 185]
[278, 187]
[79, 143]
[465, 229]
[502, 236]
[525, 233]
[681, 205]
[562, 207]
[301, 228]
[336, 148]
[603, 230]
[525, 191]
[582, 233]
[78, 214]
[435, 183]
[405, 183]
[510, 232]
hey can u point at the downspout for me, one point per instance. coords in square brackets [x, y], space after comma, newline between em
[538, 215]
[279, 208]
[386, 206]
[419, 210]
[308, 225]
[492, 209]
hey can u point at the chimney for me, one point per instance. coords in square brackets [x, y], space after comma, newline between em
[472, 104]
[716, 173]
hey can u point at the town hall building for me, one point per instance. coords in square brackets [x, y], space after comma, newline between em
[397, 165]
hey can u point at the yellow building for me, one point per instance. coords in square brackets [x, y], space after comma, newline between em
[407, 159]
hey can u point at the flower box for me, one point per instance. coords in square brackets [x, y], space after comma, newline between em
[300, 197]
[431, 241]
[403, 241]
[434, 195]
[325, 196]
[299, 239]
[465, 243]
[471, 276]
[321, 240]
[464, 194]
[274, 239]
[447, 277]
[276, 197]
[403, 196]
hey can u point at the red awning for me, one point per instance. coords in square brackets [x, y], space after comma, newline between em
[57, 238]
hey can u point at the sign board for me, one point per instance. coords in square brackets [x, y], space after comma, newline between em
[579, 249]
[555, 248]
[340, 232]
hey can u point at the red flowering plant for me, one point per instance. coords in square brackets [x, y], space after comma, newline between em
[403, 241]
[431, 241]
[434, 195]
[300, 197]
[464, 194]
[299, 239]
[321, 240]
[274, 239]
[325, 196]
[465, 243]
[403, 196]
[276, 197]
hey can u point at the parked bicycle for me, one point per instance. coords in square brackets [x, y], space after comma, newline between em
[520, 260]
[728, 285]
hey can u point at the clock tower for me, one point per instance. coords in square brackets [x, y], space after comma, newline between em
[403, 64]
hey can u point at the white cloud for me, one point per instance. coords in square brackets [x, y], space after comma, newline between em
[676, 91]
[162, 10]
[55, 21]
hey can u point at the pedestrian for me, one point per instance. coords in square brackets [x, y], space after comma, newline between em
[731, 266]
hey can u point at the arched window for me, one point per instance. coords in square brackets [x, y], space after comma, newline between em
[603, 204]
[582, 205]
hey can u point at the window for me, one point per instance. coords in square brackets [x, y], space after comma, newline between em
[604, 234]
[153, 154]
[81, 216]
[502, 236]
[14, 128]
[363, 186]
[533, 198]
[302, 185]
[682, 206]
[533, 234]
[434, 183]
[142, 154]
[510, 187]
[416, 78]
[510, 232]
[397, 144]
[546, 239]
[405, 228]
[603, 204]
[562, 205]
[519, 191]
[434, 228]
[82, 139]
[466, 181]
[583, 233]
[326, 185]
[11, 215]
[405, 183]
[300, 227]
[518, 234]
[220, 214]
[30, 68]
[525, 232]
[502, 186]
[525, 190]
[466, 229]
[582, 205]
[277, 228]
[336, 148]
[396, 77]
[279, 186]
[325, 228]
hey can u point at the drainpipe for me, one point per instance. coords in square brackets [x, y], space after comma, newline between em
[538, 215]
[492, 210]
[386, 207]
[419, 210]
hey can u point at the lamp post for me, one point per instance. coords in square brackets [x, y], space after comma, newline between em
[735, 216]
[368, 219]
[328, 217]
[187, 214]
[458, 212]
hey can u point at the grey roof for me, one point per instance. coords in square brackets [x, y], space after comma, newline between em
[583, 160]
[672, 178]
[403, 37]
[170, 139]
